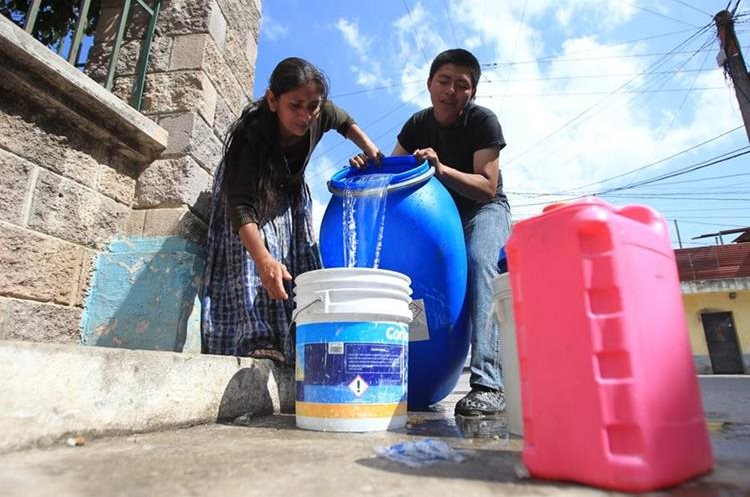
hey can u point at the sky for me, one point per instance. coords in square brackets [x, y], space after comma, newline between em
[619, 98]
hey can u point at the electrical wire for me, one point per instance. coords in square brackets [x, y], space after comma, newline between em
[692, 7]
[414, 29]
[515, 47]
[633, 4]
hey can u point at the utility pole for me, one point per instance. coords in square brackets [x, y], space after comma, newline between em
[733, 63]
[677, 229]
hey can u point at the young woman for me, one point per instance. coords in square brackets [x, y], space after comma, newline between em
[261, 234]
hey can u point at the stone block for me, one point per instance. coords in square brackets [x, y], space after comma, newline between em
[189, 51]
[180, 91]
[224, 118]
[172, 183]
[236, 59]
[175, 221]
[242, 16]
[136, 221]
[179, 17]
[189, 134]
[71, 212]
[127, 61]
[217, 25]
[37, 322]
[28, 132]
[15, 183]
[34, 266]
[251, 52]
[117, 181]
[88, 266]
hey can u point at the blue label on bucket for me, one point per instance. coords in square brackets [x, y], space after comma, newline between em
[343, 362]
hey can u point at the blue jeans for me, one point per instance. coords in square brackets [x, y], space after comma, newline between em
[486, 228]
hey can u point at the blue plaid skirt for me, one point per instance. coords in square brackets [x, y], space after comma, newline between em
[237, 316]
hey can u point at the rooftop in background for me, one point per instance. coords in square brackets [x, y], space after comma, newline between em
[744, 237]
[716, 261]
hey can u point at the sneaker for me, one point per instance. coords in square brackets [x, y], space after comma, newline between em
[480, 402]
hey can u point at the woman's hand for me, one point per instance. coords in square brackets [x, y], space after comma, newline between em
[273, 274]
[359, 160]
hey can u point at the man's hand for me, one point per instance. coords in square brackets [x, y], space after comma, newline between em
[431, 157]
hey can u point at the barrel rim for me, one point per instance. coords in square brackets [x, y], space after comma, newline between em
[402, 179]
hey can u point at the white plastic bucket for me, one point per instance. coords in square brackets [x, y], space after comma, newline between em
[511, 376]
[352, 349]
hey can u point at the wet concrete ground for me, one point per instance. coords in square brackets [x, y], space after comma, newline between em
[269, 456]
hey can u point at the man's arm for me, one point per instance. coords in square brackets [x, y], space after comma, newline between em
[480, 184]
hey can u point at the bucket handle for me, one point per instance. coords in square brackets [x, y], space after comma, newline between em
[322, 296]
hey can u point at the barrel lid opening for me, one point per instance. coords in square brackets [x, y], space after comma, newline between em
[405, 169]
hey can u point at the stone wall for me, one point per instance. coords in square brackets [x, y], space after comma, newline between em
[199, 77]
[89, 185]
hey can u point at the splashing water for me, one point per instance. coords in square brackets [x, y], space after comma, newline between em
[363, 219]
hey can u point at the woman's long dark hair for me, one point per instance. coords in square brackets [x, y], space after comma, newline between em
[253, 140]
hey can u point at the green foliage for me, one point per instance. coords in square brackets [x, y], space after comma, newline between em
[56, 18]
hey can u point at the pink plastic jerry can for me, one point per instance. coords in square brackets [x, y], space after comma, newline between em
[609, 393]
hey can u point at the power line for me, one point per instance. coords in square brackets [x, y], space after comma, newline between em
[608, 75]
[622, 103]
[654, 197]
[556, 59]
[701, 165]
[612, 192]
[414, 30]
[515, 47]
[548, 58]
[624, 92]
[701, 180]
[601, 101]
[679, 109]
[694, 8]
[657, 13]
[651, 164]
[549, 78]
[703, 224]
[450, 22]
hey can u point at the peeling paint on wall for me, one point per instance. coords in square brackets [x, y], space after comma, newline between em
[144, 295]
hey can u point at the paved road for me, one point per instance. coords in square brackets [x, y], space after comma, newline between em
[269, 457]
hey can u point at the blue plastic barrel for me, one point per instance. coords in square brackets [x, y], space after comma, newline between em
[422, 238]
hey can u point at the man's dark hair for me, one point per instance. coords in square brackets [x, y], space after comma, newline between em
[458, 57]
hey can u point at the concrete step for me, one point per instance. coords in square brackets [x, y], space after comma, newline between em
[51, 392]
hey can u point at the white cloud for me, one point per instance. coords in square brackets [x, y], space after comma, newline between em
[271, 28]
[350, 31]
[368, 73]
[585, 13]
[564, 129]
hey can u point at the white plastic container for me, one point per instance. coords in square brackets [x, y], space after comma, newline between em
[352, 349]
[509, 352]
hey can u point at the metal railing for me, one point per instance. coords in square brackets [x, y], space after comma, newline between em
[77, 40]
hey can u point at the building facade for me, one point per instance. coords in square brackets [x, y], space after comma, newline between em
[715, 284]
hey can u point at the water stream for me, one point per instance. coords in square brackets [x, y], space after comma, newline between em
[363, 219]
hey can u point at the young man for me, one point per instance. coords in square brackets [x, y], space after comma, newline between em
[463, 142]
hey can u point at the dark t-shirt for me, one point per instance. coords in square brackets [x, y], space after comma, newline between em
[455, 145]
